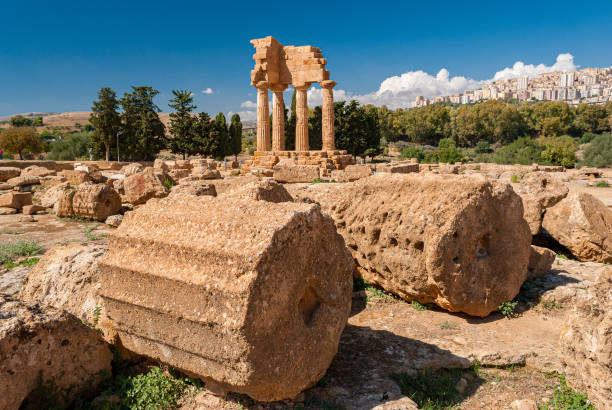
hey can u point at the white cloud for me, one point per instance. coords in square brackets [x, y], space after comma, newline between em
[207, 91]
[565, 62]
[244, 115]
[248, 104]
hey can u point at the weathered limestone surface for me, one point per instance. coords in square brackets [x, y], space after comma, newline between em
[141, 187]
[263, 124]
[23, 181]
[96, 201]
[296, 173]
[16, 200]
[583, 224]
[250, 296]
[301, 126]
[7, 173]
[459, 242]
[351, 173]
[540, 261]
[586, 343]
[132, 169]
[75, 177]
[196, 188]
[266, 190]
[67, 277]
[327, 111]
[278, 120]
[539, 192]
[40, 344]
[37, 171]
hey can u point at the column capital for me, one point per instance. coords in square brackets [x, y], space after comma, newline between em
[301, 87]
[261, 85]
[328, 84]
[279, 88]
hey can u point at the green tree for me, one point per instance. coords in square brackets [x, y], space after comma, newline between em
[73, 147]
[524, 150]
[592, 118]
[559, 150]
[315, 130]
[20, 140]
[106, 119]
[357, 130]
[599, 152]
[182, 124]
[143, 133]
[206, 142]
[290, 126]
[425, 125]
[235, 131]
[225, 145]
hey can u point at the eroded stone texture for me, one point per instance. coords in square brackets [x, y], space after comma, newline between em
[95, 201]
[141, 187]
[36, 171]
[16, 200]
[586, 343]
[196, 188]
[266, 190]
[251, 296]
[7, 173]
[455, 241]
[538, 192]
[23, 181]
[40, 344]
[296, 173]
[583, 224]
[540, 261]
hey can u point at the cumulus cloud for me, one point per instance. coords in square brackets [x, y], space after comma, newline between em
[565, 62]
[207, 91]
[248, 104]
[244, 115]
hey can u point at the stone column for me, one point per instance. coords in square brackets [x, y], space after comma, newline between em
[328, 115]
[263, 117]
[278, 120]
[301, 127]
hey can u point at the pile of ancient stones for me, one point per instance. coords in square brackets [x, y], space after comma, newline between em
[246, 283]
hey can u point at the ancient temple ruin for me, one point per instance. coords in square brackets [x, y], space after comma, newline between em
[276, 68]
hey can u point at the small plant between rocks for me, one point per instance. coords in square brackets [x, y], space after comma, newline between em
[418, 306]
[10, 251]
[602, 184]
[566, 398]
[507, 309]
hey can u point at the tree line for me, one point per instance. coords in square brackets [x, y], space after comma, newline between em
[137, 133]
[493, 121]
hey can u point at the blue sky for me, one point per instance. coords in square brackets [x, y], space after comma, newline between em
[55, 55]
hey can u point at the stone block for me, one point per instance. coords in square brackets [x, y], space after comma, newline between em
[15, 200]
[296, 173]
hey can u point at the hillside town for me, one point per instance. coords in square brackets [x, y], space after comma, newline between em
[589, 85]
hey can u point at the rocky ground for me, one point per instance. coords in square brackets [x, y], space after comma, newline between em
[500, 359]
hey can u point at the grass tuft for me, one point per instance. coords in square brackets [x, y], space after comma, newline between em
[9, 251]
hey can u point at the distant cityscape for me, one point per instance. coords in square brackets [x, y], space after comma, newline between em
[589, 85]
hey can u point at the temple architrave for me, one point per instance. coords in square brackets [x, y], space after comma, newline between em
[276, 68]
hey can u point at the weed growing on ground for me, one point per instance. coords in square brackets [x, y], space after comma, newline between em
[432, 390]
[551, 304]
[360, 284]
[168, 183]
[448, 325]
[9, 251]
[87, 232]
[418, 306]
[515, 179]
[566, 398]
[602, 184]
[11, 232]
[29, 262]
[322, 181]
[75, 219]
[507, 309]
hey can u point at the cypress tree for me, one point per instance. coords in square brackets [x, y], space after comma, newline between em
[235, 132]
[106, 119]
[181, 124]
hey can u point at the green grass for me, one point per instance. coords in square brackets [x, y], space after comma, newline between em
[9, 251]
[11, 232]
[433, 390]
[602, 184]
[566, 398]
[515, 179]
[551, 304]
[360, 284]
[507, 309]
[29, 262]
[418, 306]
[168, 183]
[87, 232]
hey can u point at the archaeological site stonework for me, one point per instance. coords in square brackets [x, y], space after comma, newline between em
[276, 68]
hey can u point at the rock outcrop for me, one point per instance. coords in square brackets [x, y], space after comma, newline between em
[40, 344]
[459, 242]
[539, 192]
[586, 343]
[583, 224]
[250, 296]
[95, 201]
[142, 186]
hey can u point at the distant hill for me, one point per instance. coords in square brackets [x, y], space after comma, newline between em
[27, 115]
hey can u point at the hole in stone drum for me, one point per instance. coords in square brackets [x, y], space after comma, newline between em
[419, 245]
[308, 305]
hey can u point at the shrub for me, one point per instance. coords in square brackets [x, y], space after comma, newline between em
[73, 147]
[602, 184]
[523, 151]
[560, 151]
[412, 152]
[599, 152]
[566, 398]
[514, 179]
[482, 147]
[587, 137]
